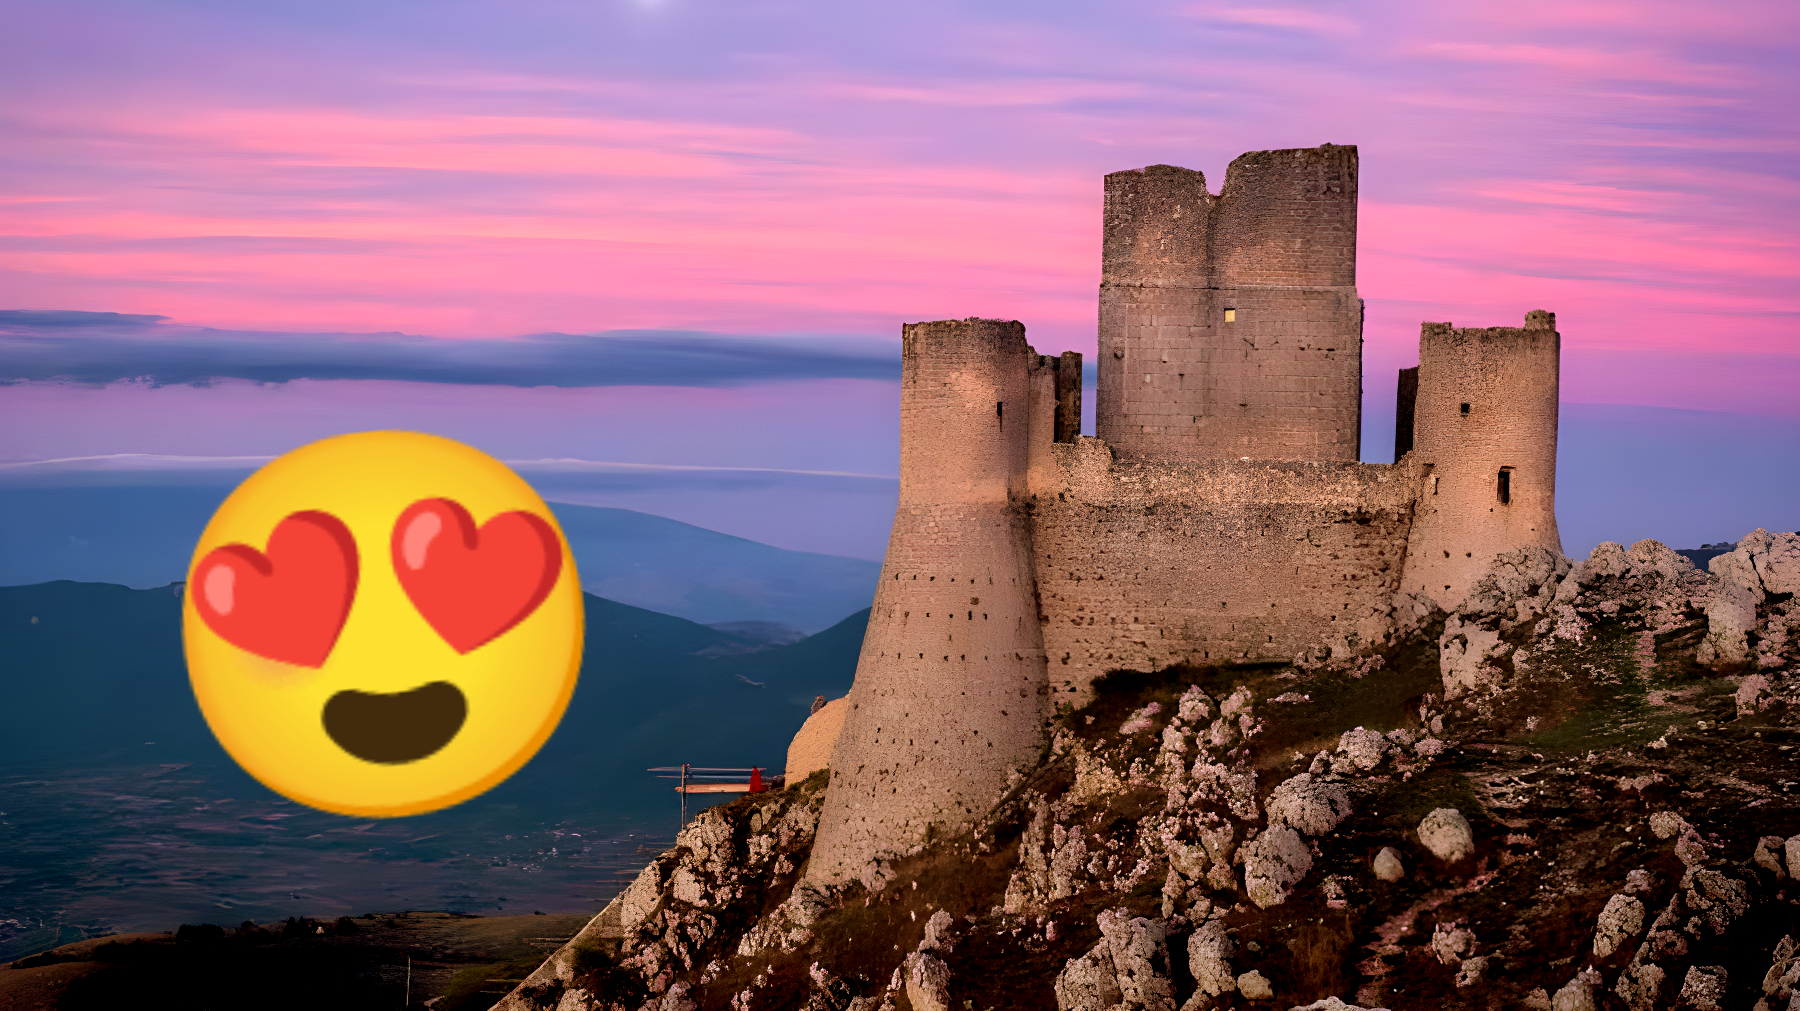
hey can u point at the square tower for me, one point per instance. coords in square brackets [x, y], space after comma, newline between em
[1230, 325]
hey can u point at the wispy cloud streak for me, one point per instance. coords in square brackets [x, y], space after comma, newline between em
[101, 348]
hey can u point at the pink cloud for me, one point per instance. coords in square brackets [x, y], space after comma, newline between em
[1301, 18]
[1626, 165]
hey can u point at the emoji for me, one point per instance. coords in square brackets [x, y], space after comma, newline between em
[382, 624]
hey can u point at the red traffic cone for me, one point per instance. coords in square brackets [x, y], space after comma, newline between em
[756, 783]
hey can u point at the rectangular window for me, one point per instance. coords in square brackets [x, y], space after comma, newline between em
[1505, 488]
[1231, 315]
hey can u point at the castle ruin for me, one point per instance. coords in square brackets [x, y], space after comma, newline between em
[1220, 516]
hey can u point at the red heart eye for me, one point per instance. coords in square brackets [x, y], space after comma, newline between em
[472, 584]
[287, 604]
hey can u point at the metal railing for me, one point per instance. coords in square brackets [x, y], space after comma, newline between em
[710, 779]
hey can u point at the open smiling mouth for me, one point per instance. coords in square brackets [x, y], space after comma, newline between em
[402, 727]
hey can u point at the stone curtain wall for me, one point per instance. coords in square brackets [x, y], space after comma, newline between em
[1280, 380]
[1508, 377]
[1143, 565]
[950, 692]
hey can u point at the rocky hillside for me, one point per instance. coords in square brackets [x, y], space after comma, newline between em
[1576, 792]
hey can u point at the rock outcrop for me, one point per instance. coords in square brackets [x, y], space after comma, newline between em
[1566, 795]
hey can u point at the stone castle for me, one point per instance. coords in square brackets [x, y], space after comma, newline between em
[1220, 516]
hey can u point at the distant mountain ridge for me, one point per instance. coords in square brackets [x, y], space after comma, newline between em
[89, 668]
[123, 812]
[675, 568]
[142, 536]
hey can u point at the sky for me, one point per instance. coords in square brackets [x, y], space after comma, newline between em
[675, 240]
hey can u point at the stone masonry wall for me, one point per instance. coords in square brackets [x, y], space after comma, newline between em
[1281, 378]
[1142, 565]
[1486, 403]
[950, 692]
[1286, 219]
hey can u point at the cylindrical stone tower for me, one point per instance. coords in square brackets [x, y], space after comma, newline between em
[1485, 420]
[951, 688]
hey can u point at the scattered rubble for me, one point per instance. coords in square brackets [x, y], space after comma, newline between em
[1388, 866]
[1255, 986]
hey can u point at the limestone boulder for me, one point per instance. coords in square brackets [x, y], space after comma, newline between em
[1233, 786]
[1752, 695]
[1656, 560]
[676, 999]
[1731, 608]
[1387, 865]
[1140, 958]
[1238, 704]
[1690, 849]
[1255, 986]
[1717, 900]
[1776, 559]
[1126, 970]
[1640, 984]
[1470, 972]
[1607, 559]
[1446, 833]
[1782, 981]
[1364, 748]
[1274, 862]
[1210, 950]
[1578, 993]
[1511, 577]
[938, 936]
[1195, 706]
[1466, 652]
[928, 982]
[1667, 824]
[1450, 942]
[1703, 989]
[1310, 804]
[1141, 720]
[644, 894]
[1087, 982]
[1620, 921]
[1767, 855]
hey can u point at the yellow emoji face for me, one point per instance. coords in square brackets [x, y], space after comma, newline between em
[382, 624]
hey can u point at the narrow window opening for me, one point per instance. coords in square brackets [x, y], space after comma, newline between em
[1000, 412]
[1505, 487]
[1231, 315]
[1465, 408]
[1434, 482]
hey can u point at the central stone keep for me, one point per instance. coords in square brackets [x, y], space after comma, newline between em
[1230, 325]
[951, 689]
